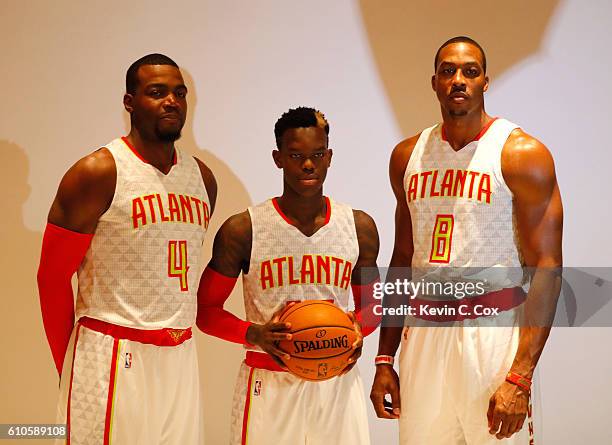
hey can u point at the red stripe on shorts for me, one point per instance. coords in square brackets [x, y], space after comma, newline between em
[76, 339]
[111, 388]
[247, 405]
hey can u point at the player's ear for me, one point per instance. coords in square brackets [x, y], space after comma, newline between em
[276, 155]
[433, 82]
[331, 153]
[486, 85]
[127, 102]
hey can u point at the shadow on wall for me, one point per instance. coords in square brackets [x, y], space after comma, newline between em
[404, 37]
[29, 384]
[219, 360]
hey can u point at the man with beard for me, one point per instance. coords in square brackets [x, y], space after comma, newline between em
[131, 217]
[474, 191]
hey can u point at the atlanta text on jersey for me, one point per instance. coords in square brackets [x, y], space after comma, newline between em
[432, 183]
[151, 209]
[315, 269]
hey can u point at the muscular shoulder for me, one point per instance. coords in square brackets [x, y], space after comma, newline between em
[399, 161]
[232, 246]
[364, 224]
[85, 192]
[402, 152]
[526, 163]
[238, 227]
[93, 168]
[367, 237]
[209, 182]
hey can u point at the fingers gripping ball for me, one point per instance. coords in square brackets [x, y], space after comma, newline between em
[322, 339]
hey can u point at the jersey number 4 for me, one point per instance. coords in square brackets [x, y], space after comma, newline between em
[441, 239]
[177, 262]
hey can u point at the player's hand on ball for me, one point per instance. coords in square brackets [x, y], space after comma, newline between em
[267, 336]
[386, 382]
[357, 344]
[507, 410]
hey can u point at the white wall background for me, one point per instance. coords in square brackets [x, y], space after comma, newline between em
[62, 77]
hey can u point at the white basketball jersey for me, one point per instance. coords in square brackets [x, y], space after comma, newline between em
[287, 265]
[461, 207]
[142, 269]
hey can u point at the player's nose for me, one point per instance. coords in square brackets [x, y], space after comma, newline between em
[171, 101]
[308, 165]
[458, 78]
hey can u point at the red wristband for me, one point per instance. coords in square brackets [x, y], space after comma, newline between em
[384, 360]
[519, 380]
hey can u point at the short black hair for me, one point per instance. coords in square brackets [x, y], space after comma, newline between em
[461, 39]
[131, 77]
[300, 117]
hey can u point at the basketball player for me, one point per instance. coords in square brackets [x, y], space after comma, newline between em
[131, 218]
[472, 191]
[270, 244]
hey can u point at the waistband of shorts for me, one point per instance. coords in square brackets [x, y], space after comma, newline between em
[502, 300]
[157, 337]
[261, 360]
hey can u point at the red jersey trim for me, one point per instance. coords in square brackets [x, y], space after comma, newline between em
[158, 337]
[290, 222]
[261, 360]
[480, 134]
[139, 156]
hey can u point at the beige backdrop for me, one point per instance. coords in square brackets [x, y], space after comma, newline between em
[366, 65]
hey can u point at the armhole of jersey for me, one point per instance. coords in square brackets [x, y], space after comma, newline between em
[498, 164]
[354, 224]
[117, 182]
[181, 157]
[251, 213]
[417, 151]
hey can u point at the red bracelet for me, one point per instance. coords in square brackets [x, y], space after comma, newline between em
[384, 360]
[519, 380]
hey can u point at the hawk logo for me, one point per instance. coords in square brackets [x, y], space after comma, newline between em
[322, 371]
[128, 359]
[176, 334]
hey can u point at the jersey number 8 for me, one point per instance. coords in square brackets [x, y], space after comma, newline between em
[441, 239]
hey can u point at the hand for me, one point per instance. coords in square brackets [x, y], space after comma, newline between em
[507, 410]
[357, 344]
[386, 382]
[267, 336]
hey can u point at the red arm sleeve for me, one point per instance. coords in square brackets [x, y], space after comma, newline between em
[363, 296]
[212, 319]
[62, 252]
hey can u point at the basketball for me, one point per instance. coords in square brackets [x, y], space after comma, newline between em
[322, 339]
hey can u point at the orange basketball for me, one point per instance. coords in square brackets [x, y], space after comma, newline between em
[322, 338]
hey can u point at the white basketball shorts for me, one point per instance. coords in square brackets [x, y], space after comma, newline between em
[278, 408]
[116, 390]
[447, 376]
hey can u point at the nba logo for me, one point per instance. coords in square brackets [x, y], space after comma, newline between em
[257, 388]
[128, 359]
[322, 370]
